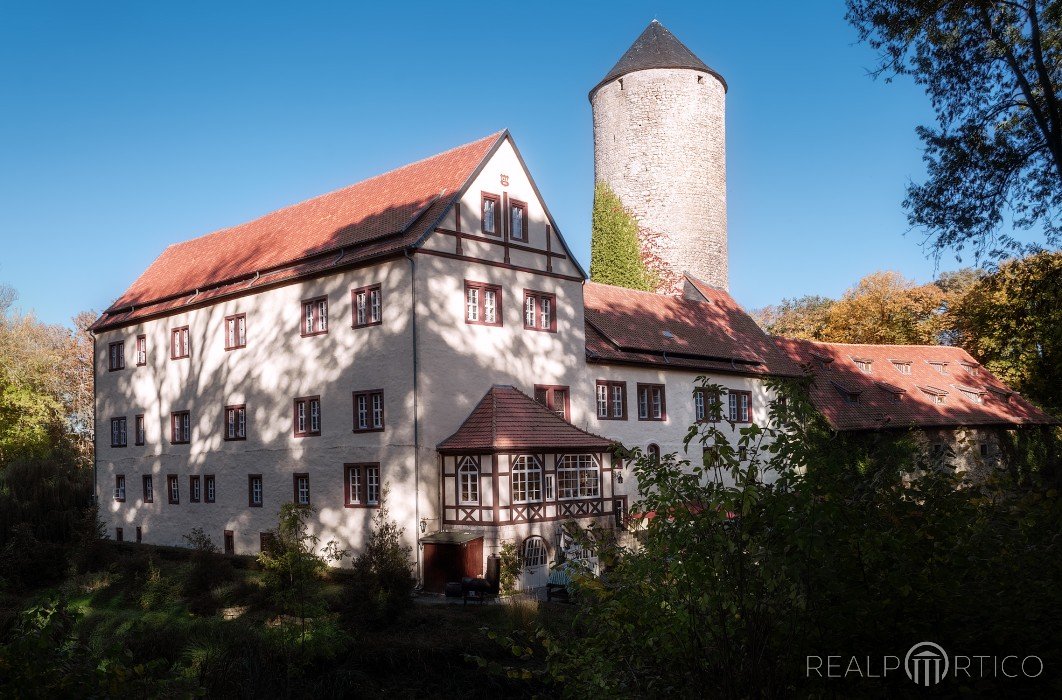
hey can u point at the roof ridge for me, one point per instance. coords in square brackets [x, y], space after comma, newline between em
[868, 345]
[339, 189]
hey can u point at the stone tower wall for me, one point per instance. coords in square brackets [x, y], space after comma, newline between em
[659, 142]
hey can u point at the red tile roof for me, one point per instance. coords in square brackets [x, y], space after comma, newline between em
[710, 333]
[876, 405]
[373, 218]
[507, 419]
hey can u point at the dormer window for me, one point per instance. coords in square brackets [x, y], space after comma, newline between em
[893, 392]
[972, 394]
[940, 367]
[847, 394]
[865, 366]
[824, 362]
[902, 366]
[939, 395]
[971, 368]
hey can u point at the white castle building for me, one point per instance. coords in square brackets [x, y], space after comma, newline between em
[428, 335]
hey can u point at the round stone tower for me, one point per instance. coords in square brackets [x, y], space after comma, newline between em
[660, 143]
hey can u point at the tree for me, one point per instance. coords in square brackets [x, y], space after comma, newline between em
[886, 308]
[992, 70]
[616, 255]
[384, 567]
[1012, 322]
[803, 317]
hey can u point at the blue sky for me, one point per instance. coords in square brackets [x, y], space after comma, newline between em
[127, 126]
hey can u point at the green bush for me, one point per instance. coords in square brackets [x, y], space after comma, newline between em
[383, 570]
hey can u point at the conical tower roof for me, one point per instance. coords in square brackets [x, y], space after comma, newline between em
[656, 48]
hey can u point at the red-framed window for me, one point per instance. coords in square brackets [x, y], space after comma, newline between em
[236, 422]
[707, 405]
[740, 405]
[555, 398]
[301, 489]
[367, 306]
[483, 304]
[611, 400]
[517, 220]
[195, 489]
[490, 207]
[651, 402]
[179, 347]
[116, 356]
[255, 490]
[138, 429]
[118, 432]
[540, 311]
[119, 488]
[368, 411]
[235, 331]
[468, 481]
[314, 316]
[210, 491]
[141, 350]
[307, 416]
[525, 479]
[173, 489]
[362, 485]
[149, 488]
[180, 427]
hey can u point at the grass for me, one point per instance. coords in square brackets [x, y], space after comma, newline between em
[229, 641]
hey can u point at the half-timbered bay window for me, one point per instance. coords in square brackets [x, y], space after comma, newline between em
[362, 485]
[301, 485]
[195, 489]
[651, 402]
[315, 316]
[468, 482]
[611, 400]
[255, 496]
[368, 411]
[149, 488]
[236, 331]
[173, 489]
[578, 476]
[491, 205]
[555, 398]
[307, 416]
[119, 488]
[527, 479]
[117, 356]
[179, 343]
[209, 488]
[539, 311]
[517, 220]
[180, 427]
[118, 432]
[138, 429]
[236, 422]
[141, 350]
[483, 303]
[368, 306]
[740, 405]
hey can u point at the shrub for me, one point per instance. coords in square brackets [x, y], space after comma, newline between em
[509, 569]
[207, 568]
[384, 569]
